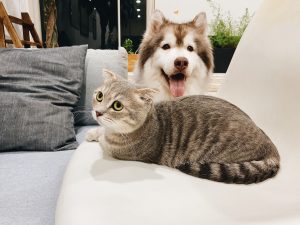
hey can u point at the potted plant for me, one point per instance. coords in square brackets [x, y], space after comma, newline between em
[132, 57]
[225, 36]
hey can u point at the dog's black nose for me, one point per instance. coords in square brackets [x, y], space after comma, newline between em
[181, 63]
[98, 113]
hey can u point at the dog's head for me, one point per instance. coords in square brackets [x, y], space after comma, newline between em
[176, 51]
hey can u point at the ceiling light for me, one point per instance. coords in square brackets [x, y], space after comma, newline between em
[138, 1]
[138, 10]
[139, 16]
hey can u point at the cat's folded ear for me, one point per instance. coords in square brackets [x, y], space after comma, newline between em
[110, 76]
[146, 94]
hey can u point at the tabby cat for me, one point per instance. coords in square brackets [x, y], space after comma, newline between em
[203, 136]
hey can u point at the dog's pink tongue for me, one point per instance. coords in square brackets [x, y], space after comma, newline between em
[177, 87]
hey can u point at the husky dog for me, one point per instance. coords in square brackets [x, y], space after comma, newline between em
[175, 58]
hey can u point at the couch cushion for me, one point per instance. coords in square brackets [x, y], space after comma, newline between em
[38, 90]
[96, 61]
[29, 186]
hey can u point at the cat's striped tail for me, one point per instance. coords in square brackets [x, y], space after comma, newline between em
[239, 173]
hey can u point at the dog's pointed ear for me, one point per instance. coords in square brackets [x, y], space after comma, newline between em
[109, 75]
[200, 21]
[157, 19]
[147, 94]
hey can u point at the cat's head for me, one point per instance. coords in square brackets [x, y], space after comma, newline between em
[119, 105]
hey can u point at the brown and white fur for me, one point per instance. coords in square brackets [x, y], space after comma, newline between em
[200, 135]
[175, 58]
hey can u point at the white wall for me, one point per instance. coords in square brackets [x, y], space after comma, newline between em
[15, 7]
[184, 10]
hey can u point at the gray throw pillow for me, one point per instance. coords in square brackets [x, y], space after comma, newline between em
[38, 91]
[96, 61]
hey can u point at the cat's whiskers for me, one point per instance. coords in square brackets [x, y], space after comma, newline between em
[122, 133]
[81, 109]
[82, 114]
[107, 122]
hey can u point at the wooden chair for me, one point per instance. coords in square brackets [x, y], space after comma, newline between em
[28, 28]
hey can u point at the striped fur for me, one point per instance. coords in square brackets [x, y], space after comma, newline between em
[202, 136]
[239, 173]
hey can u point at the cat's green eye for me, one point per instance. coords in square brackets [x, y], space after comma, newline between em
[117, 106]
[99, 96]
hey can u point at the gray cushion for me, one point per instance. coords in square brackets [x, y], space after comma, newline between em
[38, 90]
[96, 61]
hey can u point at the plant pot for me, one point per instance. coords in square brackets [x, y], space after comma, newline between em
[132, 58]
[222, 58]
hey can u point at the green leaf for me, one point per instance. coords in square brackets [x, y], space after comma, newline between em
[128, 45]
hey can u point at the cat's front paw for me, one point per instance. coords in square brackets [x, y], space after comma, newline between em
[92, 135]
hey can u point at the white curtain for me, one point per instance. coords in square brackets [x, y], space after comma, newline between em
[15, 7]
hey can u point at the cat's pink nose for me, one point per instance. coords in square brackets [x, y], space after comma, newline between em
[99, 114]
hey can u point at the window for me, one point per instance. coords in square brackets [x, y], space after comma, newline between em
[133, 21]
[95, 22]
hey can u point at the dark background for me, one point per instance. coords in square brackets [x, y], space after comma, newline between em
[95, 22]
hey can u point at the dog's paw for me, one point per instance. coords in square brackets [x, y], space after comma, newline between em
[92, 135]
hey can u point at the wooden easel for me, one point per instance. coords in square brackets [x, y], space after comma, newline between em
[28, 28]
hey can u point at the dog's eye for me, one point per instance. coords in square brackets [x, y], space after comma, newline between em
[165, 46]
[190, 48]
[99, 96]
